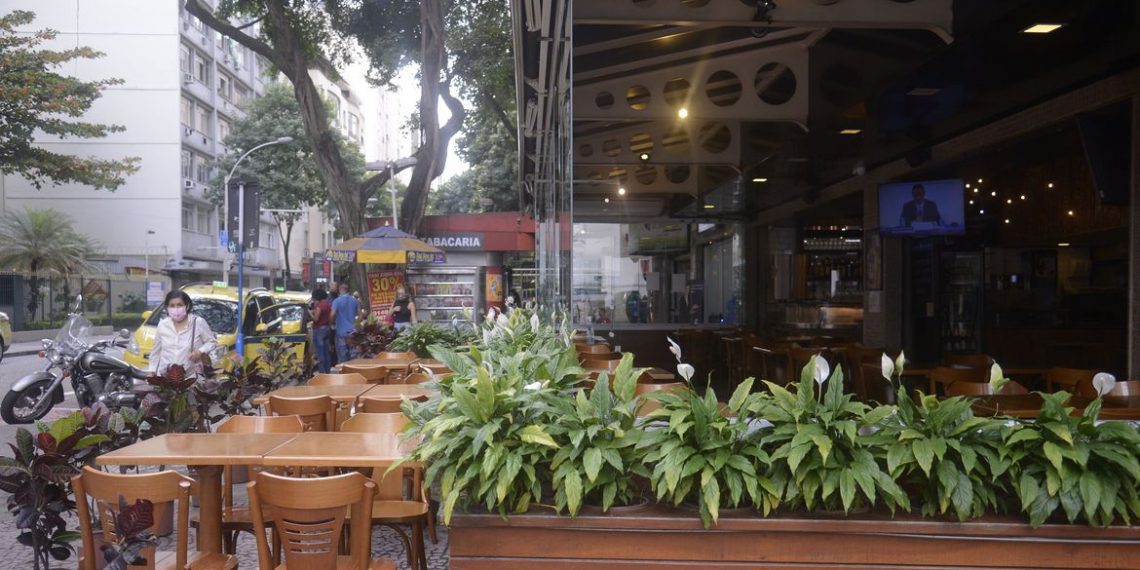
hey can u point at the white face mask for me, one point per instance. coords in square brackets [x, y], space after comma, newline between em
[177, 313]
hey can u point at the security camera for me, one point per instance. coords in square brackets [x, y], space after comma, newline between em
[859, 169]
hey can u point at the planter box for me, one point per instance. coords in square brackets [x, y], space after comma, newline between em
[664, 538]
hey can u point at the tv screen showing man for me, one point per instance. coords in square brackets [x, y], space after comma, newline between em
[922, 208]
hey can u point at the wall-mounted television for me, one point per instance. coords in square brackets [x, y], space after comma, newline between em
[923, 208]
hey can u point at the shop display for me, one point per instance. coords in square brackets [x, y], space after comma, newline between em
[443, 293]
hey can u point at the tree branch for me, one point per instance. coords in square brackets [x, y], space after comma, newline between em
[203, 12]
[374, 182]
[500, 112]
[452, 126]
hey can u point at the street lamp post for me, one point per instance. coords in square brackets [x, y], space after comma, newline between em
[392, 191]
[146, 259]
[240, 343]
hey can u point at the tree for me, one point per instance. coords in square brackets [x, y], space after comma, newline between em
[35, 99]
[288, 174]
[39, 241]
[297, 35]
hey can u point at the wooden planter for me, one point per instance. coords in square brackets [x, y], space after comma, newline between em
[659, 537]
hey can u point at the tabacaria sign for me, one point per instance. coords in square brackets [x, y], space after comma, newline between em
[463, 241]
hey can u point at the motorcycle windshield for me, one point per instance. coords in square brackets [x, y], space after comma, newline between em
[74, 332]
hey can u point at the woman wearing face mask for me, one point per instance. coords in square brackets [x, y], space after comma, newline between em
[181, 338]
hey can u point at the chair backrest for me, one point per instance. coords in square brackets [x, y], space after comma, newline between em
[1121, 388]
[316, 412]
[376, 422]
[592, 348]
[106, 488]
[798, 357]
[586, 356]
[377, 405]
[983, 389]
[309, 516]
[253, 424]
[609, 365]
[416, 378]
[1068, 379]
[373, 374]
[660, 387]
[946, 376]
[396, 356]
[342, 379]
[971, 360]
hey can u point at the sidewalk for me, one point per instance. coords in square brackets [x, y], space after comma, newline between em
[23, 348]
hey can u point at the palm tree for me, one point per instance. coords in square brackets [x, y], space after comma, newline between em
[42, 241]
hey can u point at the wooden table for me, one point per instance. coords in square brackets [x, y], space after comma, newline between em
[661, 375]
[343, 394]
[392, 364]
[207, 453]
[1029, 406]
[396, 391]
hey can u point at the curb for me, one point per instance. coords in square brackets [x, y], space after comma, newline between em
[21, 352]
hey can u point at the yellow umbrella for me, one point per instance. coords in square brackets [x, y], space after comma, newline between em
[385, 245]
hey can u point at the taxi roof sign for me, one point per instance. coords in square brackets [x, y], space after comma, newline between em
[220, 284]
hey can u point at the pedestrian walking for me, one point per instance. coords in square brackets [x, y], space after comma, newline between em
[344, 309]
[321, 313]
[181, 338]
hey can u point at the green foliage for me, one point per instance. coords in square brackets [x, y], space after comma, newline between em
[418, 337]
[596, 433]
[37, 99]
[955, 460]
[371, 338]
[694, 450]
[131, 534]
[42, 241]
[1072, 464]
[819, 460]
[38, 480]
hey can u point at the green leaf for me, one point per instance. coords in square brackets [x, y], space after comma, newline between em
[62, 428]
[898, 455]
[796, 456]
[573, 486]
[592, 461]
[924, 454]
[89, 440]
[1061, 430]
[1053, 454]
[1023, 434]
[1090, 493]
[740, 395]
[711, 493]
[847, 489]
[537, 435]
[962, 496]
[823, 443]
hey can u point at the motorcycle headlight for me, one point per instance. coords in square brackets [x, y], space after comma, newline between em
[133, 346]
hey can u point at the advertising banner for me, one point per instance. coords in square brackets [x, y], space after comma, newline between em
[382, 287]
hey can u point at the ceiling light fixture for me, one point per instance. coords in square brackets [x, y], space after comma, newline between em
[710, 206]
[607, 200]
[1064, 244]
[979, 181]
[683, 113]
[644, 156]
[1050, 185]
[975, 190]
[621, 191]
[994, 193]
[981, 211]
[1007, 220]
[759, 180]
[967, 185]
[1023, 196]
[971, 202]
[1072, 213]
[1041, 28]
[1009, 201]
[850, 131]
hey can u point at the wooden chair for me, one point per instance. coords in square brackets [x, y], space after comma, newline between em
[601, 365]
[945, 376]
[163, 487]
[437, 369]
[587, 356]
[236, 520]
[970, 360]
[400, 497]
[396, 356]
[878, 389]
[594, 348]
[342, 379]
[373, 374]
[983, 389]
[309, 514]
[417, 378]
[317, 412]
[798, 357]
[1121, 388]
[854, 357]
[1067, 379]
[376, 405]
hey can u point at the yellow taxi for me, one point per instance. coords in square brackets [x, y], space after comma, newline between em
[5, 334]
[266, 315]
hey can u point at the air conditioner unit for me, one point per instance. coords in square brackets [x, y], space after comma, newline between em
[187, 78]
[187, 183]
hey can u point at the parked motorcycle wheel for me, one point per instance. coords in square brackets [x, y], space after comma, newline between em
[19, 407]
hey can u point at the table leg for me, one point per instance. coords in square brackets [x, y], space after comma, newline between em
[210, 508]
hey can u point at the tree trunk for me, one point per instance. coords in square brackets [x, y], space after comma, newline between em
[33, 290]
[286, 238]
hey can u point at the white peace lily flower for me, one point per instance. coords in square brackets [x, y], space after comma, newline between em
[673, 347]
[502, 320]
[533, 386]
[1103, 382]
[997, 378]
[486, 336]
[490, 313]
[686, 371]
[510, 300]
[821, 370]
[534, 323]
[900, 362]
[888, 367]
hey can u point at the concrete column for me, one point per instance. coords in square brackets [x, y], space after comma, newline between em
[1134, 248]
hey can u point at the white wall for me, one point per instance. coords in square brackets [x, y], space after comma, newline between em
[140, 42]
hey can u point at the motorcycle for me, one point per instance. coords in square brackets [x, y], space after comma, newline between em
[95, 376]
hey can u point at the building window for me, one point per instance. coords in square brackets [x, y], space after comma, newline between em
[204, 220]
[335, 101]
[187, 217]
[223, 129]
[203, 124]
[268, 237]
[187, 113]
[185, 59]
[241, 95]
[225, 86]
[187, 164]
[202, 169]
[201, 69]
[196, 23]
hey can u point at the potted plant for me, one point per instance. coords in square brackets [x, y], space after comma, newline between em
[371, 338]
[133, 538]
[38, 480]
[597, 433]
[1075, 465]
[818, 459]
[954, 461]
[418, 337]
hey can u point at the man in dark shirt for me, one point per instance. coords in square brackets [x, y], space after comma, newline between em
[919, 209]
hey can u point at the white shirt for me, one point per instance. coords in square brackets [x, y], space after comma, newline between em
[174, 347]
